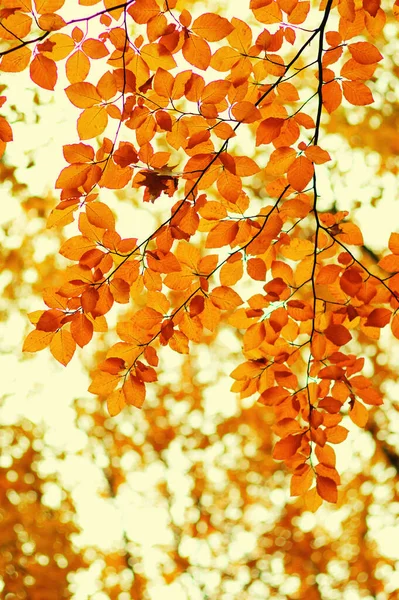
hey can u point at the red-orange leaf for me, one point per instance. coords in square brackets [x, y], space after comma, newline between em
[81, 329]
[338, 334]
[287, 447]
[379, 317]
[120, 290]
[327, 489]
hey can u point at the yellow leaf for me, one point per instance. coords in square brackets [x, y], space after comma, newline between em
[92, 122]
[63, 346]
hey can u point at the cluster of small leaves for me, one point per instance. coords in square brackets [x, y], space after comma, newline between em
[310, 294]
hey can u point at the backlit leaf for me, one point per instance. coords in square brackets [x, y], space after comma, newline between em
[43, 71]
[63, 346]
[92, 122]
[83, 94]
[211, 27]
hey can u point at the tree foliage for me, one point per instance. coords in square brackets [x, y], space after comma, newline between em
[222, 124]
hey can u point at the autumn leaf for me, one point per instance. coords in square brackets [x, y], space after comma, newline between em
[83, 94]
[62, 346]
[327, 489]
[43, 71]
[365, 53]
[338, 334]
[211, 27]
[92, 122]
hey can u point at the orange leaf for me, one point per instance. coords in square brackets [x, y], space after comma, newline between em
[379, 317]
[134, 391]
[328, 274]
[143, 11]
[365, 53]
[393, 243]
[312, 500]
[336, 434]
[100, 215]
[5, 130]
[120, 290]
[81, 329]
[338, 334]
[48, 6]
[225, 298]
[78, 153]
[327, 489]
[92, 122]
[212, 27]
[63, 346]
[332, 96]
[76, 246]
[196, 51]
[16, 61]
[354, 70]
[191, 327]
[223, 234]
[256, 269]
[268, 130]
[246, 112]
[350, 234]
[274, 396]
[359, 414]
[213, 211]
[104, 383]
[83, 94]
[390, 263]
[245, 166]
[330, 404]
[370, 396]
[94, 48]
[231, 271]
[395, 325]
[37, 340]
[50, 320]
[115, 402]
[43, 71]
[280, 160]
[229, 186]
[287, 447]
[300, 173]
[77, 67]
[317, 155]
[357, 93]
[301, 482]
[197, 305]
